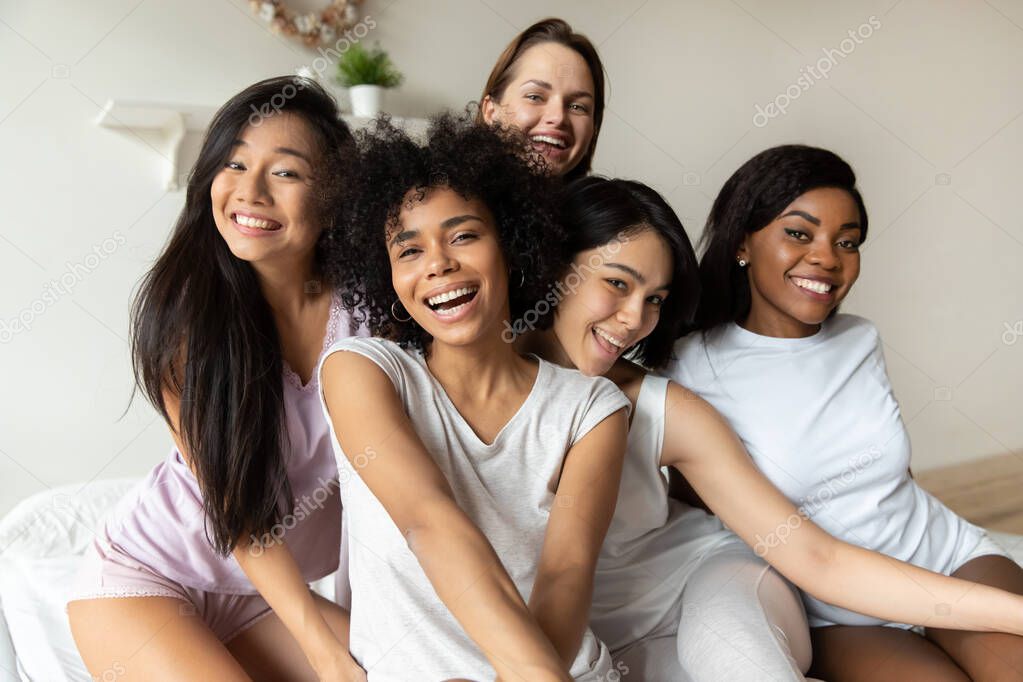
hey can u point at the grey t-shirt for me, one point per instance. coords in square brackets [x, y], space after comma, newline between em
[400, 629]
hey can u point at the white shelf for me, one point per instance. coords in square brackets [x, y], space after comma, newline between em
[166, 125]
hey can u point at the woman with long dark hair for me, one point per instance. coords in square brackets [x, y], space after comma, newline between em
[549, 83]
[202, 571]
[676, 594]
[477, 482]
[808, 392]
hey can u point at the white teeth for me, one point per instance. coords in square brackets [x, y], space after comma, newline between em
[616, 342]
[557, 142]
[255, 222]
[812, 285]
[450, 311]
[449, 295]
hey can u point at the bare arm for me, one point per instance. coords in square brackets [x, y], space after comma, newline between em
[700, 443]
[273, 571]
[582, 512]
[456, 557]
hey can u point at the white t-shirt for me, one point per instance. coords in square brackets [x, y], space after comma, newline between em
[400, 629]
[654, 542]
[819, 418]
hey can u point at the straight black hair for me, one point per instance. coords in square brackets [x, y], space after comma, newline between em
[750, 200]
[598, 211]
[202, 330]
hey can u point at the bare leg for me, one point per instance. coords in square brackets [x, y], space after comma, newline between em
[149, 639]
[986, 655]
[267, 651]
[845, 653]
[161, 638]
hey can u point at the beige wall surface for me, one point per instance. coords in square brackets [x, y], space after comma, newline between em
[924, 98]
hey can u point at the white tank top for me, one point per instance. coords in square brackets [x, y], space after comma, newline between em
[654, 541]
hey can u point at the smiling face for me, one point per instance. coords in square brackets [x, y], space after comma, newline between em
[447, 267]
[550, 97]
[616, 302]
[263, 196]
[803, 263]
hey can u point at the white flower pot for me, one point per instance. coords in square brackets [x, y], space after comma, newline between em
[367, 100]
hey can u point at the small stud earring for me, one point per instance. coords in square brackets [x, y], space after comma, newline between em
[743, 262]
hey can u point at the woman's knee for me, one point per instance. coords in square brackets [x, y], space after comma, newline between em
[783, 609]
[725, 632]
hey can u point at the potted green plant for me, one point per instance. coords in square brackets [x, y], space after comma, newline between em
[366, 74]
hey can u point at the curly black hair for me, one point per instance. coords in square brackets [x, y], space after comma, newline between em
[486, 163]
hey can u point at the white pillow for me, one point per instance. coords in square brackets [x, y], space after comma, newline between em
[34, 593]
[43, 539]
[60, 521]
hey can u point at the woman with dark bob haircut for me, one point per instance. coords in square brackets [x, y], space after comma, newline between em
[808, 392]
[204, 567]
[477, 483]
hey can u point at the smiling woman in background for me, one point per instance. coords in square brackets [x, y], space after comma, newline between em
[549, 83]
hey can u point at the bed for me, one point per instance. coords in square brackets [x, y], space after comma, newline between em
[41, 540]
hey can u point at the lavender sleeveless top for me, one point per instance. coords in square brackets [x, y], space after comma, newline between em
[160, 523]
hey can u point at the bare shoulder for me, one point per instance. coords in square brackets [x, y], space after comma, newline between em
[691, 426]
[344, 369]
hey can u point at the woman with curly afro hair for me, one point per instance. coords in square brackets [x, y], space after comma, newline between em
[477, 483]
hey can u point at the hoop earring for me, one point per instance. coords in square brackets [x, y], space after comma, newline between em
[395, 315]
[743, 262]
[522, 278]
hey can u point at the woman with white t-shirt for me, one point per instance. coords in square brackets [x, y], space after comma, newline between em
[677, 596]
[807, 391]
[477, 483]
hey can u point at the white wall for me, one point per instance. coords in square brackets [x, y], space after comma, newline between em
[927, 109]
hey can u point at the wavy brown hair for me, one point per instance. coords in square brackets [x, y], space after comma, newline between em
[551, 31]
